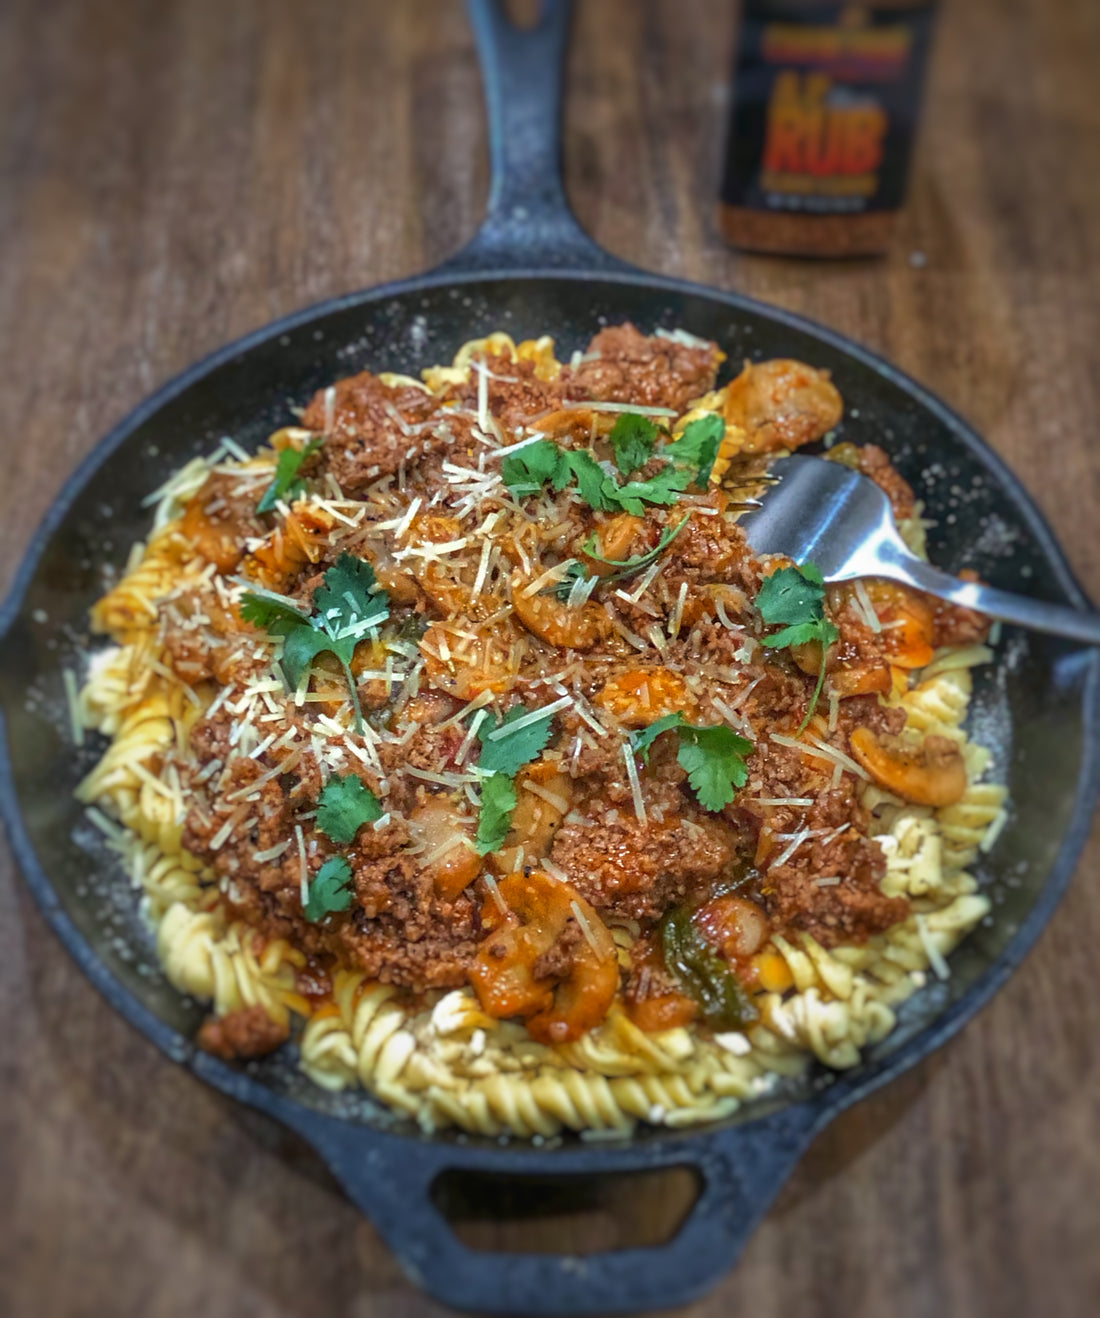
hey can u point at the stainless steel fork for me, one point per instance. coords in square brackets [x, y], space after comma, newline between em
[842, 521]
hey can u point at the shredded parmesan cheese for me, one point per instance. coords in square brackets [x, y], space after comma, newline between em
[532, 716]
[496, 894]
[618, 407]
[935, 957]
[789, 850]
[303, 864]
[822, 752]
[586, 927]
[993, 832]
[635, 785]
[72, 698]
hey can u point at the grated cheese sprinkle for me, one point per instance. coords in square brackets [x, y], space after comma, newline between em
[635, 785]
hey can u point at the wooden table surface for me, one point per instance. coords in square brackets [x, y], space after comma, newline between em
[173, 174]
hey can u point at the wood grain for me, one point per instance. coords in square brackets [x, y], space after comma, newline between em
[173, 174]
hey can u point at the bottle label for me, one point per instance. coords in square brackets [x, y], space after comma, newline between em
[825, 107]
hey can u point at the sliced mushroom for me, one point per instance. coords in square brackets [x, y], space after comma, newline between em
[553, 621]
[548, 958]
[782, 404]
[614, 541]
[543, 797]
[865, 675]
[638, 697]
[446, 834]
[908, 622]
[931, 772]
[735, 926]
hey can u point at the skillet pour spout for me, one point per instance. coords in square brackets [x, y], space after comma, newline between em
[531, 270]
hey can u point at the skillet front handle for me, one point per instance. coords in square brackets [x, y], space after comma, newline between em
[529, 224]
[741, 1170]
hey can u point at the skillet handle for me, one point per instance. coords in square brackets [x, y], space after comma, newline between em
[741, 1168]
[529, 224]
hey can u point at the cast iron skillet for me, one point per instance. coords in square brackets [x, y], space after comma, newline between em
[531, 270]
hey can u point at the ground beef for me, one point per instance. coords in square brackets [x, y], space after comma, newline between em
[430, 749]
[399, 933]
[868, 712]
[191, 655]
[203, 638]
[594, 759]
[210, 735]
[373, 428]
[716, 548]
[557, 961]
[954, 625]
[783, 404]
[777, 771]
[845, 912]
[220, 517]
[242, 1034]
[875, 462]
[648, 369]
[779, 700]
[516, 395]
[265, 893]
[434, 749]
[640, 871]
[384, 949]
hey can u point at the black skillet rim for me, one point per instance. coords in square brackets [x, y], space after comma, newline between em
[516, 1155]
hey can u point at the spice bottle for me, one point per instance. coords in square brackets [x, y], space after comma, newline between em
[825, 104]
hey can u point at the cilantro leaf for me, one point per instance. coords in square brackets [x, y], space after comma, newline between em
[527, 471]
[625, 567]
[544, 461]
[643, 740]
[344, 806]
[798, 633]
[574, 572]
[698, 445]
[792, 596]
[347, 603]
[287, 484]
[346, 608]
[506, 751]
[330, 889]
[632, 441]
[498, 800]
[595, 486]
[712, 757]
[301, 646]
[795, 596]
[263, 608]
[665, 487]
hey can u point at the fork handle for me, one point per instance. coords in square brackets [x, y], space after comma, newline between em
[1037, 615]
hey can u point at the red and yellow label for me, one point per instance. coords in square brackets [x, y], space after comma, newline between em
[884, 48]
[825, 100]
[817, 144]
